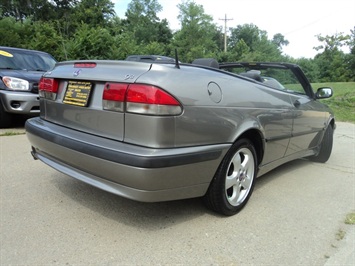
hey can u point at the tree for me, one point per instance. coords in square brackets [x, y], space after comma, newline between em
[332, 42]
[249, 33]
[95, 13]
[309, 67]
[350, 58]
[91, 43]
[143, 21]
[145, 8]
[37, 10]
[279, 40]
[90, 29]
[16, 33]
[331, 61]
[251, 44]
[197, 35]
[45, 38]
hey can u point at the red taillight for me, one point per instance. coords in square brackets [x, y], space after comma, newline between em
[139, 99]
[48, 84]
[48, 88]
[113, 96]
[115, 91]
[141, 93]
[84, 65]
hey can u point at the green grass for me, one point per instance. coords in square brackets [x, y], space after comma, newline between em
[350, 218]
[343, 100]
[11, 133]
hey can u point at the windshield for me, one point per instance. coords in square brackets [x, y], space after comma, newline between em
[26, 60]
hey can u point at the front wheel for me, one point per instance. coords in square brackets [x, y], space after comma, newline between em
[234, 180]
[326, 146]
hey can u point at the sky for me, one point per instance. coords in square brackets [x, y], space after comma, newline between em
[299, 21]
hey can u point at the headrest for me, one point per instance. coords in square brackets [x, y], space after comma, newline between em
[210, 62]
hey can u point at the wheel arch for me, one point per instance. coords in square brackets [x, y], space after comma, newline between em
[332, 123]
[217, 196]
[255, 136]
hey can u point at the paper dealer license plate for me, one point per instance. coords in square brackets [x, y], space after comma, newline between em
[78, 93]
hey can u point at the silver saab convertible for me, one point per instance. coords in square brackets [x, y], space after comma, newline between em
[160, 131]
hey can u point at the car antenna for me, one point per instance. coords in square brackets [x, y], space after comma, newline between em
[177, 65]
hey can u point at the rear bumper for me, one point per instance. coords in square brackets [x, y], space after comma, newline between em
[138, 173]
[20, 102]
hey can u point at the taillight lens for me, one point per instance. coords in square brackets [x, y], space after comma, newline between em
[140, 93]
[48, 84]
[140, 99]
[113, 96]
[48, 88]
[151, 100]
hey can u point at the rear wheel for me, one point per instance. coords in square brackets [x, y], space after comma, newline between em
[326, 146]
[234, 180]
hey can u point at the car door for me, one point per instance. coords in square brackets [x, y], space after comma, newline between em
[308, 121]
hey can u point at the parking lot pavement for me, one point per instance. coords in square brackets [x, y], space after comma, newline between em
[346, 252]
[295, 217]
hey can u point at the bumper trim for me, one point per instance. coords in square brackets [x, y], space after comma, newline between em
[119, 152]
[142, 195]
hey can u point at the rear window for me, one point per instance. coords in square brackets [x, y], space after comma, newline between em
[25, 60]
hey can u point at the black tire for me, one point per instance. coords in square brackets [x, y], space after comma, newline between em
[5, 118]
[326, 146]
[234, 180]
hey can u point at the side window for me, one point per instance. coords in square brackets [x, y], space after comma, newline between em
[282, 79]
[279, 78]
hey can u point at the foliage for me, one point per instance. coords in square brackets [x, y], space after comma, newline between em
[143, 21]
[13, 33]
[196, 37]
[90, 29]
[279, 40]
[94, 13]
[90, 43]
[350, 218]
[343, 100]
[350, 58]
[45, 38]
[331, 61]
[309, 67]
[36, 9]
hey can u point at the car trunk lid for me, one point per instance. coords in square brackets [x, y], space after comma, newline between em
[72, 95]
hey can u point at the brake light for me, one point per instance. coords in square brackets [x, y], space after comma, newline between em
[113, 96]
[84, 65]
[151, 100]
[141, 93]
[48, 88]
[140, 99]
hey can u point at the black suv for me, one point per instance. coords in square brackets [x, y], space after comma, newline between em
[20, 72]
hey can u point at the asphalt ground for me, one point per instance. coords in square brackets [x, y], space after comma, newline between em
[295, 217]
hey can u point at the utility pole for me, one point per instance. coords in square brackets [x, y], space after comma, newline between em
[225, 31]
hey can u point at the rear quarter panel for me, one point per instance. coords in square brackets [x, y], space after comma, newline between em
[218, 108]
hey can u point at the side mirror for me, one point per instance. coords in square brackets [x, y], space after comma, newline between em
[324, 93]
